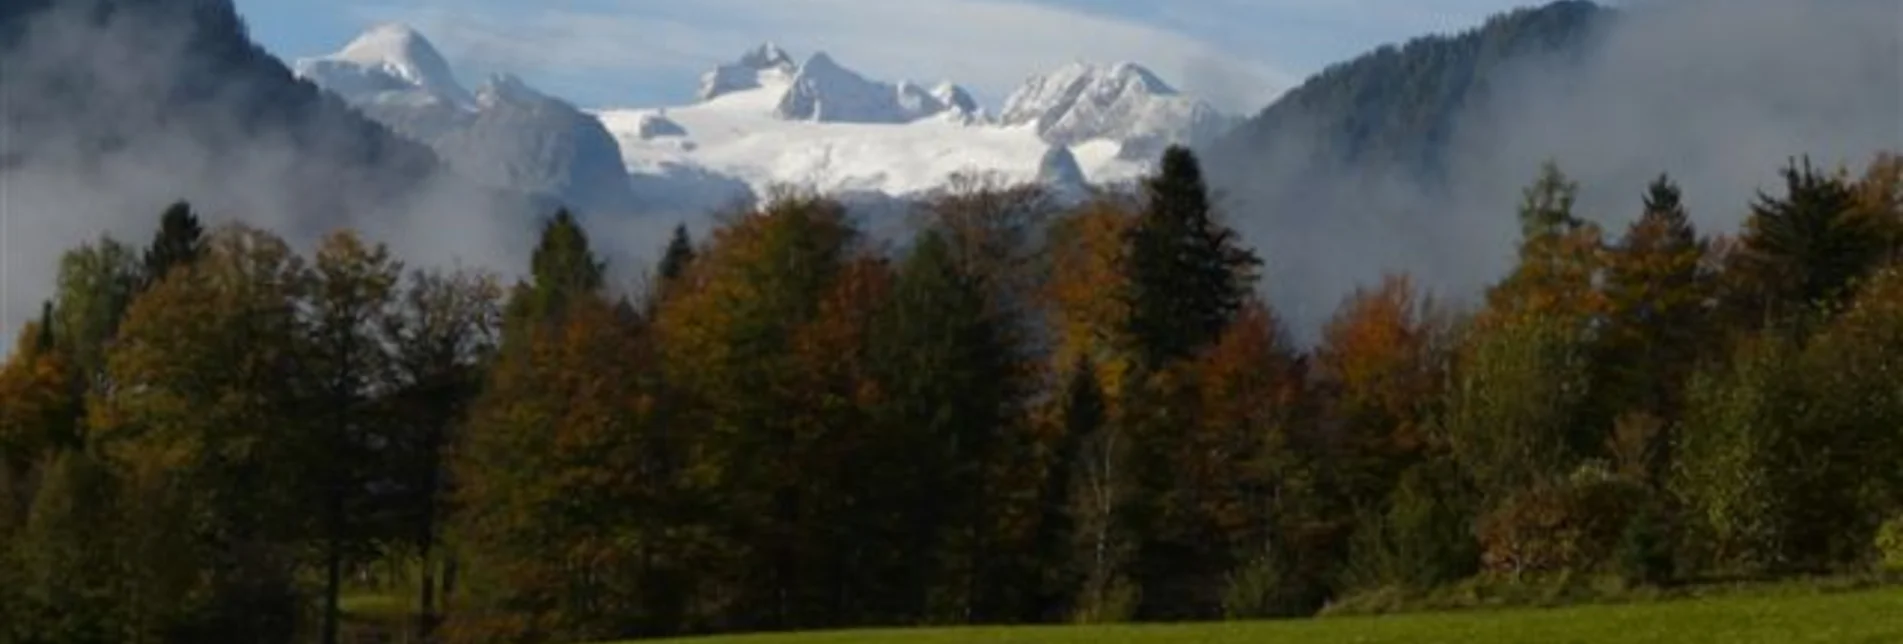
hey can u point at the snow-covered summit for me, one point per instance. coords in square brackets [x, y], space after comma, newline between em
[505, 134]
[1125, 101]
[387, 59]
[823, 90]
[953, 96]
[763, 65]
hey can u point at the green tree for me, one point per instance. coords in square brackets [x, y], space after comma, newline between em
[1807, 247]
[1734, 471]
[350, 299]
[1188, 275]
[1082, 416]
[950, 389]
[68, 546]
[562, 270]
[1514, 409]
[678, 256]
[442, 334]
[96, 283]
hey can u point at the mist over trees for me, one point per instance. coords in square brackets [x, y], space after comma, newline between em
[793, 428]
[1027, 413]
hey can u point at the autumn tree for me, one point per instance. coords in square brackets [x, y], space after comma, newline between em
[36, 413]
[727, 344]
[1380, 369]
[209, 396]
[1848, 441]
[1657, 291]
[1086, 313]
[69, 547]
[561, 505]
[1560, 256]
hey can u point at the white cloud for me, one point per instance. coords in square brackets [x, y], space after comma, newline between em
[988, 45]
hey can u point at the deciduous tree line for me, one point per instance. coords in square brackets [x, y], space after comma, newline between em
[1025, 414]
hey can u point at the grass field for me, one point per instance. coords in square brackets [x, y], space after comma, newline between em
[1864, 617]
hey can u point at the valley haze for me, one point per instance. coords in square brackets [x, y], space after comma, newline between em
[1703, 89]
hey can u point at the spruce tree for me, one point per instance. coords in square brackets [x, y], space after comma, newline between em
[943, 358]
[562, 269]
[1656, 290]
[1808, 246]
[1084, 413]
[1188, 275]
[679, 254]
[44, 341]
[179, 241]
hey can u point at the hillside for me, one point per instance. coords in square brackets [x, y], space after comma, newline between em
[110, 109]
[1413, 155]
[1397, 107]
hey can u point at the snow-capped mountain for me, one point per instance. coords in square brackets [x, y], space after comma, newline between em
[1124, 102]
[763, 120]
[387, 62]
[506, 134]
[821, 90]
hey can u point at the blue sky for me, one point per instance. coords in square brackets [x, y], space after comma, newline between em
[1238, 53]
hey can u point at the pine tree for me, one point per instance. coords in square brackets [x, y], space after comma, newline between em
[1560, 257]
[562, 270]
[1188, 275]
[180, 240]
[947, 375]
[1657, 291]
[678, 256]
[1807, 247]
[1083, 415]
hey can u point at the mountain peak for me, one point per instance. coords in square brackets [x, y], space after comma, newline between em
[509, 88]
[766, 60]
[387, 57]
[955, 97]
[1123, 101]
[766, 56]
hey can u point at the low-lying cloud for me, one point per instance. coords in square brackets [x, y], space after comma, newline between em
[1718, 93]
